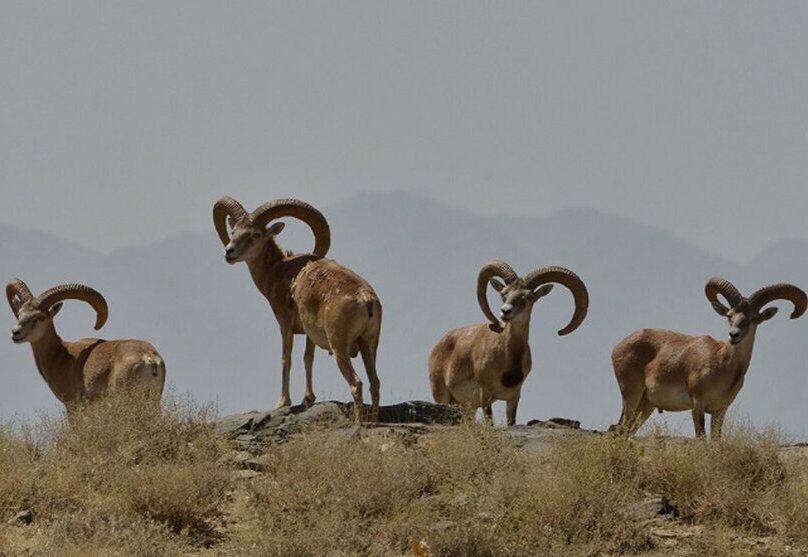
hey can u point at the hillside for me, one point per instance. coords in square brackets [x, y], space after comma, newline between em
[125, 480]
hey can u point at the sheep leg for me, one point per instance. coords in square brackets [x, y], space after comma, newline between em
[641, 416]
[344, 363]
[488, 414]
[510, 409]
[368, 350]
[716, 423]
[286, 368]
[440, 392]
[632, 402]
[698, 418]
[308, 361]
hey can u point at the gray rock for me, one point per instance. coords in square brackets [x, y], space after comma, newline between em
[258, 464]
[418, 411]
[654, 507]
[237, 424]
[442, 525]
[539, 438]
[235, 458]
[246, 475]
[251, 430]
[555, 423]
[23, 517]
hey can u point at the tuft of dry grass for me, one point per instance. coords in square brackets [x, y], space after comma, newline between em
[469, 491]
[126, 479]
[122, 476]
[466, 491]
[734, 483]
[791, 506]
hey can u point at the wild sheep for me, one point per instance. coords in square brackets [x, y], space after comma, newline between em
[475, 365]
[670, 371]
[90, 367]
[334, 307]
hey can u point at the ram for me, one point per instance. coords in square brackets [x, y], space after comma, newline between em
[88, 368]
[334, 307]
[476, 365]
[669, 371]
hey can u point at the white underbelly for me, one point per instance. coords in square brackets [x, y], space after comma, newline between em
[469, 393]
[669, 399]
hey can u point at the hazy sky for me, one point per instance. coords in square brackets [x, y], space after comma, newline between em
[123, 122]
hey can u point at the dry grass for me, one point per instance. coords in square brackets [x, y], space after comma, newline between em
[125, 480]
[468, 491]
[122, 477]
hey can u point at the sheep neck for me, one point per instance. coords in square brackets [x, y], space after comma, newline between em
[53, 362]
[516, 333]
[265, 267]
[737, 357]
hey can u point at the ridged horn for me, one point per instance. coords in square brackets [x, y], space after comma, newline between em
[17, 288]
[300, 210]
[76, 292]
[566, 278]
[224, 207]
[490, 270]
[718, 285]
[780, 291]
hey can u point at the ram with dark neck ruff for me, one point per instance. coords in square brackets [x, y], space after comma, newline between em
[334, 307]
[88, 368]
[670, 371]
[476, 365]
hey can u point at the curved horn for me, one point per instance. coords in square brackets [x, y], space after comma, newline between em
[76, 292]
[226, 206]
[490, 270]
[718, 285]
[781, 291]
[566, 278]
[301, 211]
[19, 289]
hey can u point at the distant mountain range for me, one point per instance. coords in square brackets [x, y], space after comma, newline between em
[221, 342]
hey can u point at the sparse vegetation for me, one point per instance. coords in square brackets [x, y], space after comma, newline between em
[123, 479]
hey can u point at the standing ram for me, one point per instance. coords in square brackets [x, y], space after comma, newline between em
[479, 364]
[661, 369]
[90, 367]
[334, 307]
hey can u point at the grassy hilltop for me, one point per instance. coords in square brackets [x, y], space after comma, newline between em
[123, 480]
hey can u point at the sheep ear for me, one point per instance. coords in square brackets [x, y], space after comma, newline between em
[767, 314]
[275, 229]
[54, 309]
[16, 302]
[498, 286]
[231, 224]
[542, 291]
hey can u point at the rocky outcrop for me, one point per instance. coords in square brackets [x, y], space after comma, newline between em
[252, 430]
[406, 421]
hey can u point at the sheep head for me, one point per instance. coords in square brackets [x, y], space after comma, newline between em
[519, 294]
[248, 231]
[35, 314]
[745, 314]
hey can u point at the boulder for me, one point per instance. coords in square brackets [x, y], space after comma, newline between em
[252, 429]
